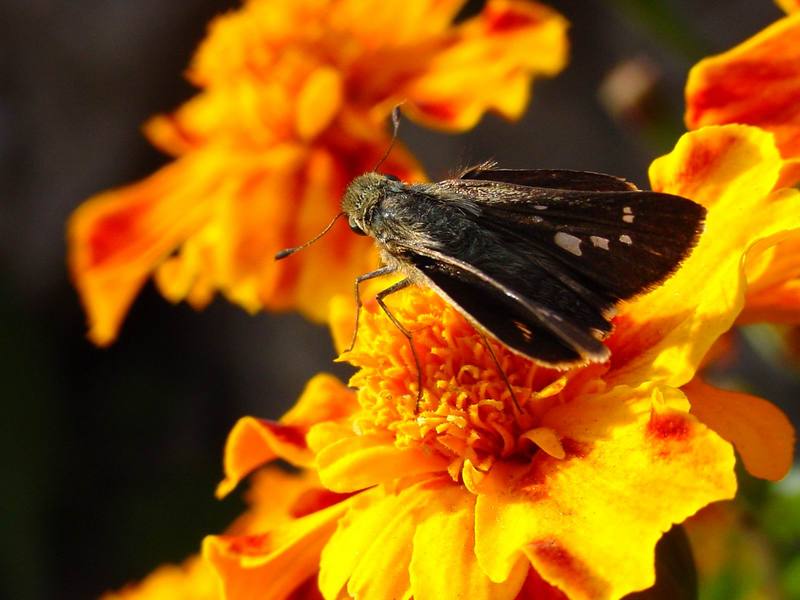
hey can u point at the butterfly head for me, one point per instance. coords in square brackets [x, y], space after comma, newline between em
[361, 197]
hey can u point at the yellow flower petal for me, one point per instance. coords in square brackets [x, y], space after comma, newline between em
[547, 439]
[193, 580]
[324, 398]
[715, 165]
[254, 442]
[276, 496]
[359, 461]
[384, 530]
[589, 523]
[779, 304]
[488, 65]
[443, 563]
[274, 563]
[397, 23]
[773, 283]
[756, 83]
[371, 540]
[318, 102]
[758, 429]
[731, 170]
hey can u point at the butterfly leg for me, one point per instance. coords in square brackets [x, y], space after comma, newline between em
[500, 370]
[371, 275]
[379, 299]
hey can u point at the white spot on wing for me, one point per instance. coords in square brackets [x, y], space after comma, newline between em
[627, 210]
[599, 242]
[568, 242]
[625, 239]
[627, 218]
[525, 330]
[539, 207]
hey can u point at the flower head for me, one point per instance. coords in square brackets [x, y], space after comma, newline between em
[293, 102]
[467, 496]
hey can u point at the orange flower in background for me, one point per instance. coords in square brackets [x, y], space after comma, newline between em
[293, 103]
[755, 83]
[468, 497]
[789, 5]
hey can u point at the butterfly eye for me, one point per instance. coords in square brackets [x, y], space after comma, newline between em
[354, 227]
[392, 177]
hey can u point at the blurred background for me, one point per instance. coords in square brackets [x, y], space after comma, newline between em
[110, 456]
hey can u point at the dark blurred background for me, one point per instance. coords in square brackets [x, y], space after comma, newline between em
[110, 456]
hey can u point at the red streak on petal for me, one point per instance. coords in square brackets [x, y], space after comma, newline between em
[706, 99]
[735, 88]
[251, 545]
[538, 588]
[308, 590]
[562, 564]
[287, 434]
[697, 162]
[629, 340]
[314, 500]
[186, 135]
[535, 492]
[502, 21]
[534, 484]
[669, 427]
[113, 232]
[441, 111]
[574, 448]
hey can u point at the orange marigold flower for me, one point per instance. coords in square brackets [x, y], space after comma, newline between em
[469, 497]
[293, 102]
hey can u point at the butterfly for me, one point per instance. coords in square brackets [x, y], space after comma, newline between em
[535, 259]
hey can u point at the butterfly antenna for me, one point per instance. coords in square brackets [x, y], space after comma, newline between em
[289, 251]
[502, 372]
[395, 128]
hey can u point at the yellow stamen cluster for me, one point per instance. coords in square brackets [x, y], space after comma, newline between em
[466, 413]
